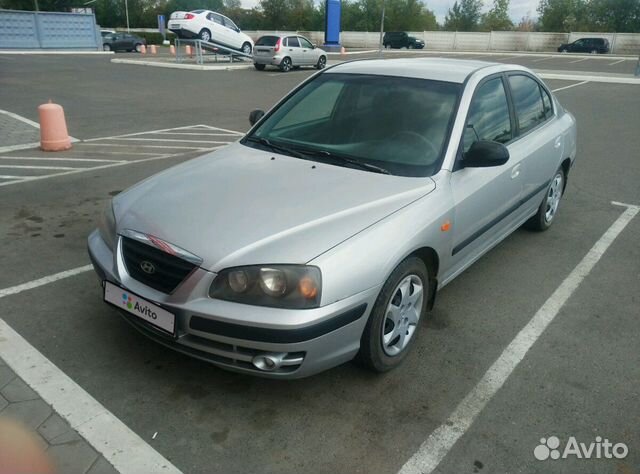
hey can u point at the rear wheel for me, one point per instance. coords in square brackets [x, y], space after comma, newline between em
[549, 205]
[205, 35]
[394, 320]
[106, 47]
[246, 48]
[286, 65]
[259, 67]
[322, 62]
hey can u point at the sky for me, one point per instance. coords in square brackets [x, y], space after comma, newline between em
[517, 8]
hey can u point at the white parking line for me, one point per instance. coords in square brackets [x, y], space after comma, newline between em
[578, 60]
[123, 448]
[27, 167]
[169, 140]
[14, 290]
[206, 134]
[570, 86]
[616, 62]
[440, 442]
[34, 158]
[21, 118]
[542, 59]
[177, 147]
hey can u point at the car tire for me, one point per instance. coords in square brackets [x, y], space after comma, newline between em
[387, 46]
[548, 209]
[594, 51]
[106, 47]
[138, 47]
[322, 62]
[259, 67]
[285, 64]
[410, 46]
[381, 349]
[205, 35]
[246, 48]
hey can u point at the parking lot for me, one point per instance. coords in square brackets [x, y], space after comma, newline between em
[581, 376]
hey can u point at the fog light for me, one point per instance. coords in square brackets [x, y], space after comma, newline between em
[268, 362]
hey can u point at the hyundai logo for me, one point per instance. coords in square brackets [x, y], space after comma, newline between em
[148, 267]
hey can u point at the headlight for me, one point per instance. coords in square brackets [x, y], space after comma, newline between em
[278, 286]
[107, 226]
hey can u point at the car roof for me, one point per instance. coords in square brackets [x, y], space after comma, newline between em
[436, 69]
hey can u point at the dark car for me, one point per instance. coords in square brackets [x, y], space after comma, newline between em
[122, 42]
[401, 39]
[586, 45]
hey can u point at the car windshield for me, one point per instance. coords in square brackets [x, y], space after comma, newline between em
[267, 41]
[397, 124]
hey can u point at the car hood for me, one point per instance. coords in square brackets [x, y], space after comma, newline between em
[241, 206]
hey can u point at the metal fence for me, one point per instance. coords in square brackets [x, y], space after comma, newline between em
[621, 43]
[48, 30]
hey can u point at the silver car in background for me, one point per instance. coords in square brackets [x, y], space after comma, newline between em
[287, 52]
[325, 233]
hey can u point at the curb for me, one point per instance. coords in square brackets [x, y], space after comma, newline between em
[194, 67]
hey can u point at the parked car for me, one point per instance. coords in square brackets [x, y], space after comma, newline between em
[211, 27]
[122, 42]
[586, 45]
[325, 233]
[287, 52]
[401, 39]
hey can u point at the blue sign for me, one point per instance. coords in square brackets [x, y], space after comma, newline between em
[332, 23]
[162, 26]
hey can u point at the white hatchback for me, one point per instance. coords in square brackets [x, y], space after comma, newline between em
[210, 26]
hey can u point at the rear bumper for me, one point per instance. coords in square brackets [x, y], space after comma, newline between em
[307, 341]
[268, 59]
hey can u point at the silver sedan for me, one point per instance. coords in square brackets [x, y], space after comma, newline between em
[287, 52]
[325, 233]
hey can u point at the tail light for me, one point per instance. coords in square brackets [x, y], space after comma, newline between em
[278, 44]
[189, 16]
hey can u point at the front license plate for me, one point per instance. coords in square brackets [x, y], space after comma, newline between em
[143, 309]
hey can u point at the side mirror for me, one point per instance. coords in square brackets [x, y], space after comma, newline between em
[314, 46]
[484, 154]
[255, 115]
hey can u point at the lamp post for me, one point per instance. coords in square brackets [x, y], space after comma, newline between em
[381, 31]
[126, 10]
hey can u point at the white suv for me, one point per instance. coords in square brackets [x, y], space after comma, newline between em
[211, 27]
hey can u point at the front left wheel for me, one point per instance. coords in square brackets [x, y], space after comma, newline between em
[395, 318]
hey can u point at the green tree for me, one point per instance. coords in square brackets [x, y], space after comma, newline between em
[563, 15]
[463, 16]
[497, 19]
[622, 16]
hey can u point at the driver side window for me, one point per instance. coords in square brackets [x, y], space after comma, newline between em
[488, 117]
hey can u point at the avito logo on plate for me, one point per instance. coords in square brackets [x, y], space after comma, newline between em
[599, 449]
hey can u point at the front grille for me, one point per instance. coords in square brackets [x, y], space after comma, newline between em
[169, 272]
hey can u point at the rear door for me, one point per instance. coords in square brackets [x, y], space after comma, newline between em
[218, 31]
[293, 50]
[308, 53]
[539, 141]
[486, 199]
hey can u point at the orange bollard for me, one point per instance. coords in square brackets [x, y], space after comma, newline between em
[143, 49]
[53, 128]
[172, 50]
[153, 49]
[342, 50]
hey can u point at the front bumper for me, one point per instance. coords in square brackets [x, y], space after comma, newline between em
[232, 335]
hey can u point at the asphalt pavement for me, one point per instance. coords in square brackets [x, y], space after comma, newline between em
[581, 378]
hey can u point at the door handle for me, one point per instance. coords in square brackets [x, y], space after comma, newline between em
[515, 171]
[558, 142]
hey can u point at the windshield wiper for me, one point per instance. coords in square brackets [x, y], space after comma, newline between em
[346, 159]
[279, 148]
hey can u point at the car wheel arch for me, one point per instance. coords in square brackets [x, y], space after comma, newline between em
[566, 166]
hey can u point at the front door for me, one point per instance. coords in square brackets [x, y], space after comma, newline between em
[486, 199]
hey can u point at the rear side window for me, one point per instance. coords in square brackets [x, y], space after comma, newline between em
[215, 18]
[293, 42]
[488, 115]
[528, 102]
[267, 41]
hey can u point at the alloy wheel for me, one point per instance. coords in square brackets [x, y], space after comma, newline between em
[553, 197]
[402, 315]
